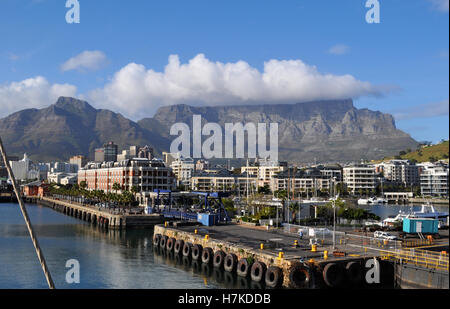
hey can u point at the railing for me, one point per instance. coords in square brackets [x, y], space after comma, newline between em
[416, 243]
[423, 258]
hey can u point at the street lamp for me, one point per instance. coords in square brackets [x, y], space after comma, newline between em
[334, 212]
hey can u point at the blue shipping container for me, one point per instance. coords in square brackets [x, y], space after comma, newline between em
[208, 219]
[425, 226]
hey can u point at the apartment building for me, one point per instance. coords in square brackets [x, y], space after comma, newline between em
[146, 175]
[264, 171]
[434, 181]
[183, 170]
[360, 177]
[224, 181]
[401, 172]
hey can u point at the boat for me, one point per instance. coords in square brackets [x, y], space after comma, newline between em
[428, 211]
[372, 201]
[364, 201]
[393, 220]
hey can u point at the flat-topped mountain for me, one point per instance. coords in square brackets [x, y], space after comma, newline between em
[322, 131]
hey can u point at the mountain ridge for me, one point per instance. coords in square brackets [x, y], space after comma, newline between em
[332, 131]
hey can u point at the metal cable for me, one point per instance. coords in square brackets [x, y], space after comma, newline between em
[39, 253]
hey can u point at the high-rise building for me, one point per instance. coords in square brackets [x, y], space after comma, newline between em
[80, 161]
[99, 155]
[111, 151]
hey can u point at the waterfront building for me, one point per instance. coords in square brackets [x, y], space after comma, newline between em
[146, 175]
[183, 168]
[307, 181]
[434, 181]
[62, 178]
[400, 172]
[264, 170]
[360, 178]
[224, 181]
[24, 169]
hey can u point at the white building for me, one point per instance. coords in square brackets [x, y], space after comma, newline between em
[401, 172]
[360, 177]
[264, 171]
[24, 169]
[434, 182]
[62, 178]
[183, 170]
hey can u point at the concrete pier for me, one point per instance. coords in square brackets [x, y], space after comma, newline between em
[300, 267]
[101, 217]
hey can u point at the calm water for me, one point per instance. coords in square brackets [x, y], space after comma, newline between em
[384, 211]
[107, 259]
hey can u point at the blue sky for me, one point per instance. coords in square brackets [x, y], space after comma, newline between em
[116, 57]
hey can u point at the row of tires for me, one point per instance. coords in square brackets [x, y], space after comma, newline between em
[272, 276]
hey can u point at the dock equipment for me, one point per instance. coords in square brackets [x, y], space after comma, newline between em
[210, 211]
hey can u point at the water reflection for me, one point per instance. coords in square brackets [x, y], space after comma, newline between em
[209, 274]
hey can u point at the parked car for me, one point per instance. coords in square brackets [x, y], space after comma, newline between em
[384, 235]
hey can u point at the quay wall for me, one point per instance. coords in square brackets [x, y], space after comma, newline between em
[240, 250]
[100, 217]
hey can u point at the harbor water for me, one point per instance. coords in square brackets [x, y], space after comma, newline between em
[107, 259]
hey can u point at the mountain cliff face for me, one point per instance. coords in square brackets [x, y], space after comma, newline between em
[67, 128]
[322, 131]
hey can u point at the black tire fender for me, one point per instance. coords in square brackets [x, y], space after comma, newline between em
[156, 240]
[258, 271]
[178, 248]
[207, 255]
[243, 268]
[333, 275]
[230, 262]
[218, 259]
[197, 252]
[187, 249]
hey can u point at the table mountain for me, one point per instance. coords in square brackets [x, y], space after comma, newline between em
[322, 131]
[326, 131]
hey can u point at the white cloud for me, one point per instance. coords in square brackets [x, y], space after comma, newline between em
[441, 5]
[423, 111]
[31, 93]
[339, 49]
[137, 91]
[87, 60]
